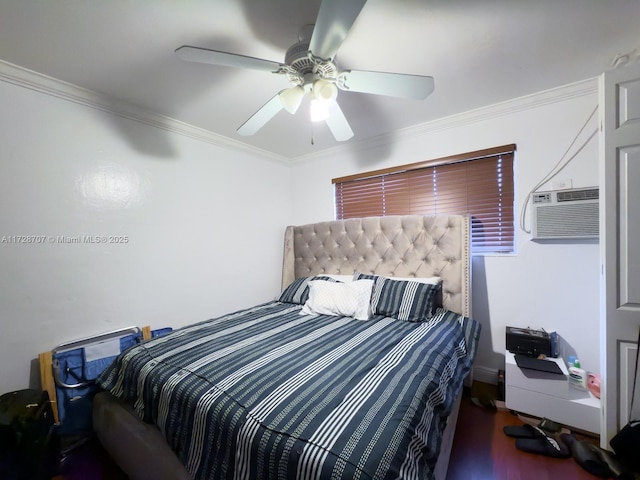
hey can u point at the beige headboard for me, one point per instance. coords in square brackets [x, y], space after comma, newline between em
[400, 246]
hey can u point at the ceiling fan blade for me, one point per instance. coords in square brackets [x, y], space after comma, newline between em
[334, 21]
[215, 57]
[338, 124]
[381, 83]
[262, 116]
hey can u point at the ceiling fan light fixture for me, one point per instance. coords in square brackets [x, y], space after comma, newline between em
[291, 98]
[325, 90]
[319, 109]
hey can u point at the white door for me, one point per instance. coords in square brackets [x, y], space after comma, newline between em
[619, 235]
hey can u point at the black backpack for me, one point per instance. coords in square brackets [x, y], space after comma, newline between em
[28, 443]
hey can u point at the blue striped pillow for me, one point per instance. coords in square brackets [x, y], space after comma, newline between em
[404, 300]
[298, 291]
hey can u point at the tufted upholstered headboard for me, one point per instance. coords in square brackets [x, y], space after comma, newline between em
[400, 246]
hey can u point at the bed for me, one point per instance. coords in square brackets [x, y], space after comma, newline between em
[277, 391]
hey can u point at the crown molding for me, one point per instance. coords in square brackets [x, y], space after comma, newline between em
[25, 78]
[527, 102]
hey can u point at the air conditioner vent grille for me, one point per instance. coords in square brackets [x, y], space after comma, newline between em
[573, 195]
[568, 221]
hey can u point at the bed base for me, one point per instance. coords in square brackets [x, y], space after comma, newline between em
[142, 453]
[138, 448]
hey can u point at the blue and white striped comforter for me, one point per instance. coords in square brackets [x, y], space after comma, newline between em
[266, 393]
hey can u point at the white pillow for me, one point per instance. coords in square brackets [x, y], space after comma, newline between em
[344, 299]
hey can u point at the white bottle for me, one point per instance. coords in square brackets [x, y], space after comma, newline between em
[577, 376]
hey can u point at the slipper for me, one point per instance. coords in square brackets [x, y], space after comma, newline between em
[588, 457]
[547, 446]
[523, 431]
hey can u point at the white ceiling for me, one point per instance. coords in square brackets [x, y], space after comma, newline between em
[480, 52]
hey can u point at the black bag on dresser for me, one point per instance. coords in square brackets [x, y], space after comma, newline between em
[28, 444]
[626, 443]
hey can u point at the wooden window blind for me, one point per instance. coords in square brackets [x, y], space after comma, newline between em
[477, 183]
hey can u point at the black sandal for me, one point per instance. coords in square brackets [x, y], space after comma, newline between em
[547, 446]
[588, 457]
[523, 431]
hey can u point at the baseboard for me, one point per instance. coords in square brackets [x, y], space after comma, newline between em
[485, 374]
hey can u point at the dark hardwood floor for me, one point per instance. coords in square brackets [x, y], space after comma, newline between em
[481, 451]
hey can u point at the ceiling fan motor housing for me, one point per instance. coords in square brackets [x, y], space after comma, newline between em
[299, 59]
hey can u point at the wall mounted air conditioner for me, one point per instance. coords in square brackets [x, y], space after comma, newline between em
[565, 214]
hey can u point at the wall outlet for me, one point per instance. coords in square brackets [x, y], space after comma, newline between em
[562, 184]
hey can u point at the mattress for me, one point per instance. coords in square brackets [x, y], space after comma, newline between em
[268, 393]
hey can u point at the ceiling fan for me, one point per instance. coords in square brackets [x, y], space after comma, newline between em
[309, 65]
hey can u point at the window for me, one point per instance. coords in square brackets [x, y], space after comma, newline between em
[478, 183]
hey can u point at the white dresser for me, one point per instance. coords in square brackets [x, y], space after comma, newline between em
[548, 395]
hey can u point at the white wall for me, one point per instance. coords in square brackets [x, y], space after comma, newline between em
[554, 286]
[192, 252]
